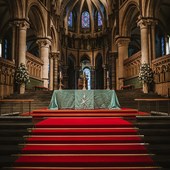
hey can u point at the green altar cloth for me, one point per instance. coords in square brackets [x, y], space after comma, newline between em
[84, 99]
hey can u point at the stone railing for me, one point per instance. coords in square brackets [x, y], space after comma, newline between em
[34, 66]
[132, 65]
[161, 68]
[7, 71]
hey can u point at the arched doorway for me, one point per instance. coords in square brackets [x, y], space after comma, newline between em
[87, 72]
[86, 69]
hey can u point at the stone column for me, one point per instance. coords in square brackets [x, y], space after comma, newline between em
[23, 25]
[77, 75]
[14, 40]
[93, 77]
[153, 25]
[147, 28]
[51, 67]
[56, 56]
[44, 44]
[143, 23]
[22, 29]
[65, 77]
[122, 43]
[105, 75]
[113, 69]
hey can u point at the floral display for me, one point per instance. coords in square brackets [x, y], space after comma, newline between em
[22, 75]
[145, 74]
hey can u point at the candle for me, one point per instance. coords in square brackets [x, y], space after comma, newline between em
[60, 74]
[107, 74]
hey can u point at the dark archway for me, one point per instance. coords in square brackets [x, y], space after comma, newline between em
[99, 72]
[71, 73]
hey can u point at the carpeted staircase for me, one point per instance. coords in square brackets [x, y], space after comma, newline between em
[84, 143]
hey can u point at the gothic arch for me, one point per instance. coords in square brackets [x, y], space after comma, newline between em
[37, 17]
[19, 6]
[85, 57]
[128, 16]
[54, 38]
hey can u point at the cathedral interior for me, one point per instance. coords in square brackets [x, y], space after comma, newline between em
[85, 46]
[103, 39]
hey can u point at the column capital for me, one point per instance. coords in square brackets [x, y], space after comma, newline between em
[55, 55]
[22, 24]
[144, 22]
[122, 41]
[44, 42]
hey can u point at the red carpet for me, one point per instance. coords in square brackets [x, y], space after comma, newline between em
[123, 112]
[86, 144]
[83, 122]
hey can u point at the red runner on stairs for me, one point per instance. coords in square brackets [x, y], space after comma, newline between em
[84, 143]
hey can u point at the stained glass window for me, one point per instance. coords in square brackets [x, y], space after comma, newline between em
[70, 20]
[99, 20]
[85, 19]
[86, 71]
[162, 45]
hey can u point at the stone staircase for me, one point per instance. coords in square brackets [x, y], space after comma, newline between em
[41, 100]
[12, 130]
[126, 100]
[156, 132]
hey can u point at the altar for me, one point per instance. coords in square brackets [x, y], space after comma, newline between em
[84, 99]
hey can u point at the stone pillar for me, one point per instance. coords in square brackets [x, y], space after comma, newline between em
[65, 76]
[122, 43]
[23, 25]
[22, 30]
[51, 67]
[44, 44]
[148, 53]
[14, 40]
[56, 70]
[93, 77]
[153, 47]
[77, 76]
[144, 40]
[105, 76]
[113, 69]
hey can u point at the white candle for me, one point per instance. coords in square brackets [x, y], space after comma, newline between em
[60, 74]
[107, 74]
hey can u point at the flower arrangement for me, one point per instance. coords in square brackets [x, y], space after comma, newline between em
[22, 75]
[145, 74]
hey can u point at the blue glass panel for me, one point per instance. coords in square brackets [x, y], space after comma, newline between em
[70, 20]
[163, 45]
[85, 20]
[88, 75]
[99, 20]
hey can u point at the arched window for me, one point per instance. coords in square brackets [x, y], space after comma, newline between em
[5, 48]
[85, 20]
[70, 20]
[163, 45]
[99, 18]
[86, 71]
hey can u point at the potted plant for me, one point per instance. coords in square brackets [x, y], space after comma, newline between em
[145, 76]
[22, 77]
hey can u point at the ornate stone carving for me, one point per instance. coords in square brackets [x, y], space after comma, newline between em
[44, 42]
